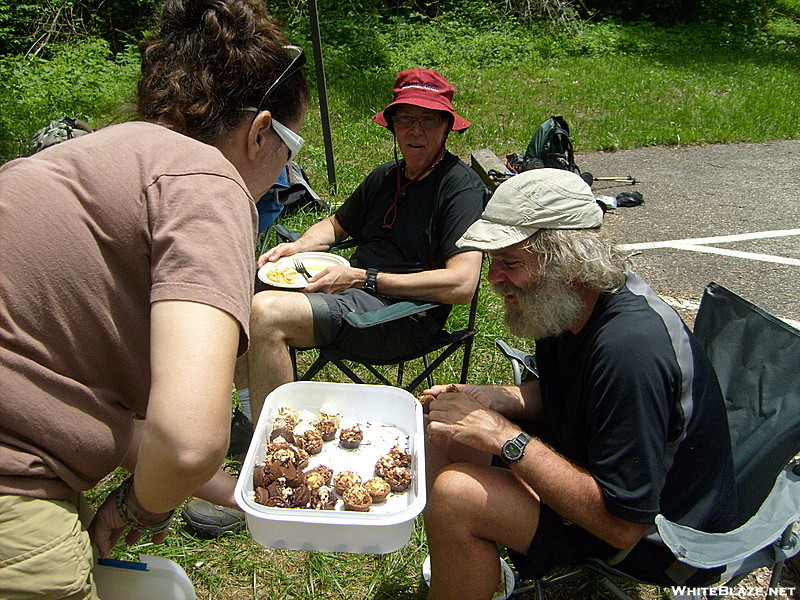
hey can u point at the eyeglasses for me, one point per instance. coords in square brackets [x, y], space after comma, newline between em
[298, 59]
[293, 141]
[426, 122]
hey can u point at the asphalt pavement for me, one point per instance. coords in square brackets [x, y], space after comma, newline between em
[728, 213]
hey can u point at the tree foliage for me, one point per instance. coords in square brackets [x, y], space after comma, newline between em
[741, 17]
[31, 26]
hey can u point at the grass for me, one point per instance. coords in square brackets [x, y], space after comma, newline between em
[622, 86]
[619, 86]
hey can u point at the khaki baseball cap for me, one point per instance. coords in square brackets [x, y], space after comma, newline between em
[533, 200]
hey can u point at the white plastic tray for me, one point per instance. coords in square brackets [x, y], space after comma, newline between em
[385, 528]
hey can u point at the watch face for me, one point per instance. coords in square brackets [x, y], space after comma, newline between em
[512, 451]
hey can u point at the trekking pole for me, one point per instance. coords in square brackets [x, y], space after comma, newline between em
[589, 178]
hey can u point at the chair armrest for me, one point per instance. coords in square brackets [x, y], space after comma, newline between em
[707, 550]
[285, 234]
[522, 363]
[395, 311]
[344, 245]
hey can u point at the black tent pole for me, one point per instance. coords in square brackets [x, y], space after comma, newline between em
[322, 92]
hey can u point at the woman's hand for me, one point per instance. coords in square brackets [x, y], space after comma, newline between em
[108, 526]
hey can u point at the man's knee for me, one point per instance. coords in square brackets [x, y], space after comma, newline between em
[265, 306]
[281, 317]
[457, 489]
[272, 309]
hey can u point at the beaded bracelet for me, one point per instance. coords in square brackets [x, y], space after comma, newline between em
[130, 519]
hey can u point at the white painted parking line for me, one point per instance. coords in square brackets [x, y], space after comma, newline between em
[703, 245]
[720, 239]
[781, 260]
[681, 303]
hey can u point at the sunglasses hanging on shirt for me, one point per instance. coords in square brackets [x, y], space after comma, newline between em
[390, 216]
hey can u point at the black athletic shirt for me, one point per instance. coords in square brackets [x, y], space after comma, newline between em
[633, 399]
[432, 214]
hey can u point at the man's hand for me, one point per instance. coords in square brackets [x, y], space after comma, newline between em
[336, 279]
[466, 419]
[507, 400]
[281, 250]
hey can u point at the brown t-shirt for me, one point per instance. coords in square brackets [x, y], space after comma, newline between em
[92, 231]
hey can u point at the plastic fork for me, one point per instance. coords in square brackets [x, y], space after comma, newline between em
[301, 268]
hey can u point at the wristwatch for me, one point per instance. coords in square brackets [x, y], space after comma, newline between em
[514, 449]
[371, 284]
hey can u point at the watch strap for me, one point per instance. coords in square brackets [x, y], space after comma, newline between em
[371, 284]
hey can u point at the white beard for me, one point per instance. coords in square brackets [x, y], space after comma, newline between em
[546, 308]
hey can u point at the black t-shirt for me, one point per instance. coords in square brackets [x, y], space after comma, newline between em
[634, 400]
[432, 214]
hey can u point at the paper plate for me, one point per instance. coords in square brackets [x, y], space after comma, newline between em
[281, 273]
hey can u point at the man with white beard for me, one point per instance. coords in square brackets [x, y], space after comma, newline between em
[626, 420]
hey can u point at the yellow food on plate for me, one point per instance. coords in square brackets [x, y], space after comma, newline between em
[287, 275]
[283, 275]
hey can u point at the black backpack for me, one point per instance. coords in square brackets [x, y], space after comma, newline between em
[550, 146]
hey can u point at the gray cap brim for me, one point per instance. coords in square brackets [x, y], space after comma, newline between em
[487, 235]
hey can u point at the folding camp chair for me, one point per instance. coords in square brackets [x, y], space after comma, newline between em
[287, 194]
[441, 348]
[755, 356]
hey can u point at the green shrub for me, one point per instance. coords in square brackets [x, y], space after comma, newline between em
[82, 80]
[738, 17]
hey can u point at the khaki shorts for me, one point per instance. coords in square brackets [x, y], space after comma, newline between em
[44, 550]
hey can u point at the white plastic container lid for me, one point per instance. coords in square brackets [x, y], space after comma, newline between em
[152, 577]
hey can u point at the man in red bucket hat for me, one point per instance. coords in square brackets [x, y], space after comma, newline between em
[425, 88]
[406, 217]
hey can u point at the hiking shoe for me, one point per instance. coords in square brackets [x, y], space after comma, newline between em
[211, 520]
[241, 434]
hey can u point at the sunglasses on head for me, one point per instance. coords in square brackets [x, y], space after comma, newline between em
[293, 141]
[298, 59]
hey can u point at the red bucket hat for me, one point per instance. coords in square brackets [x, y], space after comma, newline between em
[424, 88]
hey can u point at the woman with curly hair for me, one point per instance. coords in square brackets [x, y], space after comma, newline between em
[125, 289]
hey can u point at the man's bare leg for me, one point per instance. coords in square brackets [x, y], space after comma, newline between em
[441, 452]
[240, 377]
[277, 320]
[471, 509]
